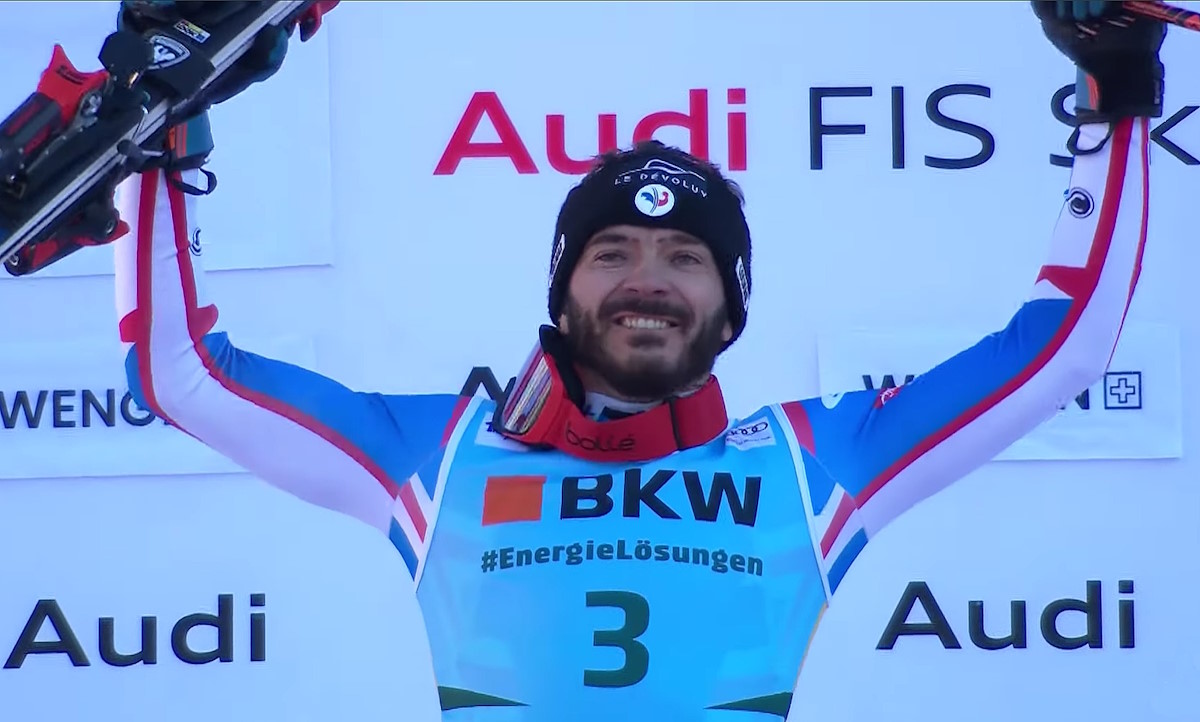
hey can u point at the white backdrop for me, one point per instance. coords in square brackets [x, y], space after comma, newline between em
[338, 245]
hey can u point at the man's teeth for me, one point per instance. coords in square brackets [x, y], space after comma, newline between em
[639, 322]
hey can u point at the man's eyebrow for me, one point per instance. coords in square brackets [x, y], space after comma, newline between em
[682, 239]
[609, 237]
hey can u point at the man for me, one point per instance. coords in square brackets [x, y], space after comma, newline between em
[572, 546]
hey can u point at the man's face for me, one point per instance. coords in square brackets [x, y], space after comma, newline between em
[645, 313]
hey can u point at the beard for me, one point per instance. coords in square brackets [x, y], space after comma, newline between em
[645, 379]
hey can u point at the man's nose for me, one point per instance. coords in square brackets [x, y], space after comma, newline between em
[647, 279]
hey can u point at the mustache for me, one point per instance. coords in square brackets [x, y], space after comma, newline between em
[647, 307]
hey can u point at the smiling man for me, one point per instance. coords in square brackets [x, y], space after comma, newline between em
[605, 543]
[644, 310]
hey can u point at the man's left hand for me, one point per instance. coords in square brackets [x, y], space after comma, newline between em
[1083, 9]
[1116, 52]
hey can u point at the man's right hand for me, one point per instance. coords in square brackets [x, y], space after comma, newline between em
[188, 144]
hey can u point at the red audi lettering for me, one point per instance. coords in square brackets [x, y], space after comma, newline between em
[487, 104]
[461, 146]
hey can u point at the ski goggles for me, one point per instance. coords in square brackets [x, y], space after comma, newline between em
[542, 408]
[521, 415]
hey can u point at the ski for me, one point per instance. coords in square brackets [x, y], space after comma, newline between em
[66, 148]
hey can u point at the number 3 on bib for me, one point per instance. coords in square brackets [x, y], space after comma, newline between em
[625, 638]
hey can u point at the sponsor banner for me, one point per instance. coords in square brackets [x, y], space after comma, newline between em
[66, 410]
[135, 593]
[1015, 579]
[274, 208]
[1134, 412]
[1065, 610]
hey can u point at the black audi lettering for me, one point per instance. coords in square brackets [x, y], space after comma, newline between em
[1017, 634]
[183, 642]
[65, 641]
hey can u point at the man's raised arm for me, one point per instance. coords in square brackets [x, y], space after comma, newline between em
[879, 453]
[304, 433]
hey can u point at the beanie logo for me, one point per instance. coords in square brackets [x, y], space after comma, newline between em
[669, 175]
[654, 200]
[557, 256]
[743, 283]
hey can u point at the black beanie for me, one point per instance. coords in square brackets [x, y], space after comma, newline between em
[656, 186]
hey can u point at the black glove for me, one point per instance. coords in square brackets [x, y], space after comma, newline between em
[1117, 52]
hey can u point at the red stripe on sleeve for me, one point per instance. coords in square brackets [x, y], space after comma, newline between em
[138, 325]
[801, 426]
[459, 407]
[409, 498]
[1101, 242]
[196, 320]
[840, 517]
